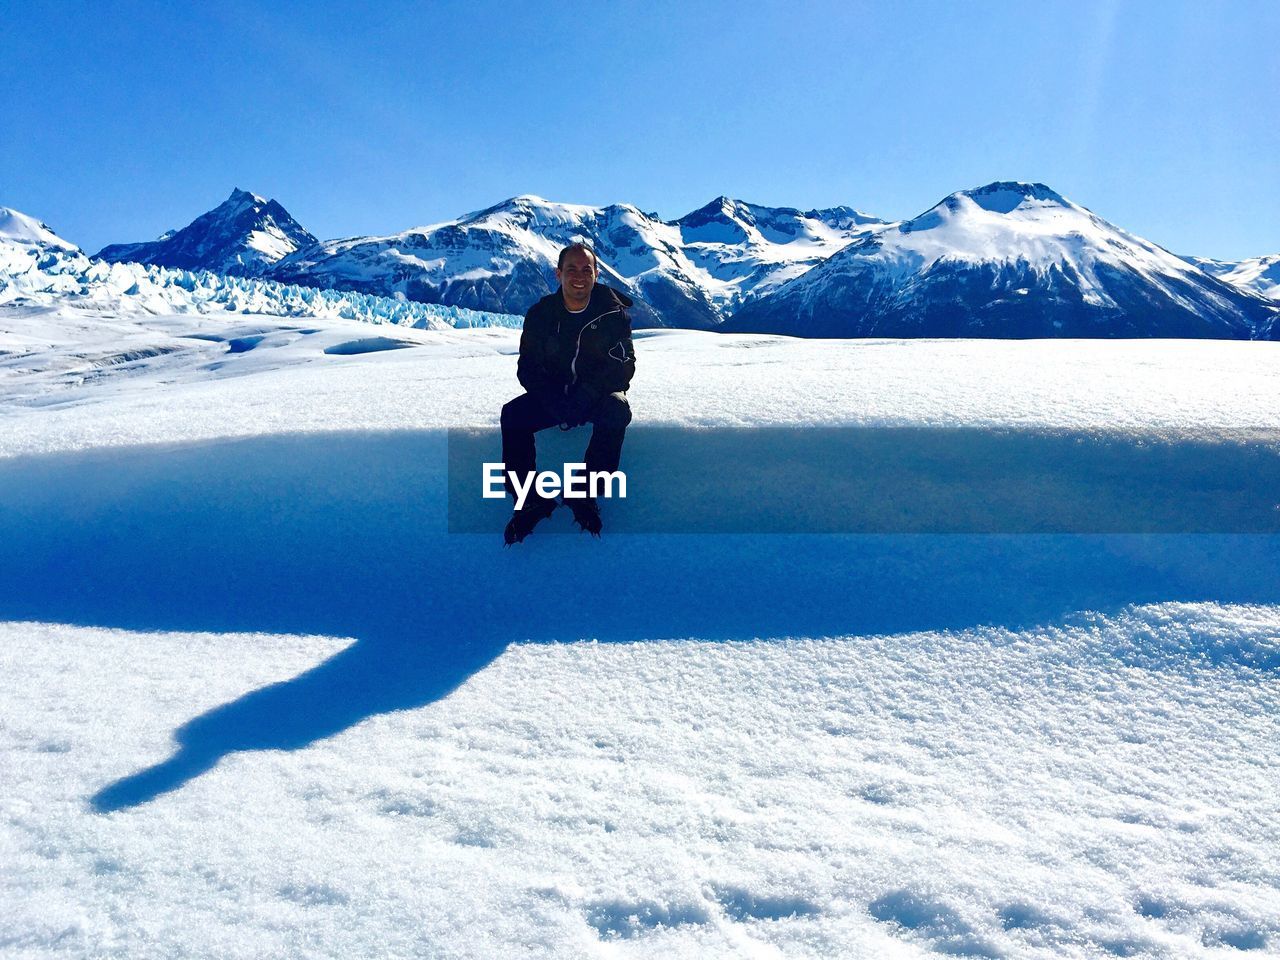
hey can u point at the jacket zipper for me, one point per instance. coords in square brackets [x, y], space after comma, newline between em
[573, 364]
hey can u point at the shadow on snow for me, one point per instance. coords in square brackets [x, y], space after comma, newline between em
[345, 535]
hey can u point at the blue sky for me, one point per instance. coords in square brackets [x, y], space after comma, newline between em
[126, 119]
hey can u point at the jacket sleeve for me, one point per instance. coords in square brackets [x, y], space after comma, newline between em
[620, 364]
[530, 370]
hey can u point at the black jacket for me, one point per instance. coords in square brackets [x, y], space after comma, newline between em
[585, 354]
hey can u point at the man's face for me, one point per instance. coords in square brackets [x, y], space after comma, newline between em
[577, 277]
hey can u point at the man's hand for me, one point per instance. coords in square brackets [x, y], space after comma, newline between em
[557, 404]
[571, 409]
[578, 406]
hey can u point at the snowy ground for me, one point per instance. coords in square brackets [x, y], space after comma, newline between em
[333, 375]
[258, 702]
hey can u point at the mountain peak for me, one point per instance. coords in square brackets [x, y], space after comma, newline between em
[241, 200]
[244, 235]
[518, 202]
[1008, 259]
[723, 220]
[16, 226]
[843, 217]
[1003, 196]
[721, 206]
[526, 210]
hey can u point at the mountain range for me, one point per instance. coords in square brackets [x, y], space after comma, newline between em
[1009, 259]
[691, 272]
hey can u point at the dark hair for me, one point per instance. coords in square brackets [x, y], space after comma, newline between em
[577, 246]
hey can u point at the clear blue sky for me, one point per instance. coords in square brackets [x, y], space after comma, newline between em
[121, 120]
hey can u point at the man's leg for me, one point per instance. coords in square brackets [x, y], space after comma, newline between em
[521, 419]
[609, 419]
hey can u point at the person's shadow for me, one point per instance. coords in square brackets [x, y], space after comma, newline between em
[344, 535]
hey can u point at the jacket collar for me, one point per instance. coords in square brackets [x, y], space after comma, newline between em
[604, 299]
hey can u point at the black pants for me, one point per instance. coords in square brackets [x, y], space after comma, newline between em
[526, 415]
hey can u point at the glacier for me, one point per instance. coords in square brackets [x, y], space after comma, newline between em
[38, 268]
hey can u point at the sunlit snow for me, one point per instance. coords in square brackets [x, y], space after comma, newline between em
[1260, 275]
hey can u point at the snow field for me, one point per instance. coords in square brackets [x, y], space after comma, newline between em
[1167, 389]
[299, 727]
[1104, 785]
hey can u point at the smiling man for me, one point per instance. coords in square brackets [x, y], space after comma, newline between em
[576, 362]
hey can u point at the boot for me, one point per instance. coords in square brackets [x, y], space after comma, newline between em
[523, 521]
[586, 514]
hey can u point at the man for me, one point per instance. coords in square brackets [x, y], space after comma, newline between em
[576, 362]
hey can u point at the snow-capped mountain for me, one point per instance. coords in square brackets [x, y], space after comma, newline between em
[41, 271]
[1260, 275]
[747, 251]
[1009, 259]
[501, 258]
[243, 236]
[691, 272]
[18, 228]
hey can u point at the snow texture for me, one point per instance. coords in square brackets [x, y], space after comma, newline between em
[1098, 786]
[58, 368]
